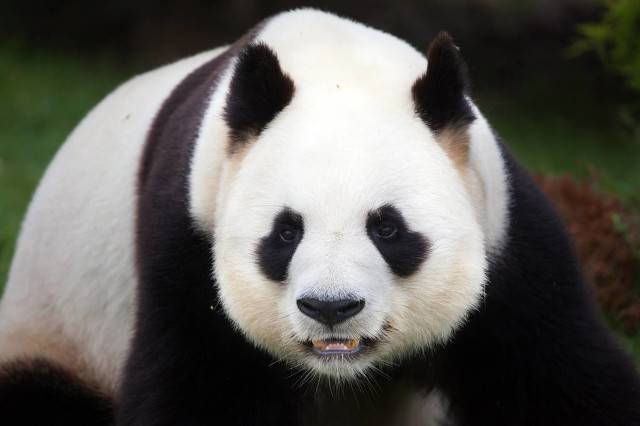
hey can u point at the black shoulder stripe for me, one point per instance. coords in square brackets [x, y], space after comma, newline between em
[185, 353]
[175, 127]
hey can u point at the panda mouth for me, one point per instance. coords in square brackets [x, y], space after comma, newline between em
[336, 346]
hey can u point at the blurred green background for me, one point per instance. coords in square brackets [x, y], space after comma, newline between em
[558, 79]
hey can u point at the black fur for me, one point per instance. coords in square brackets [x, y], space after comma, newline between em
[439, 94]
[405, 251]
[38, 392]
[273, 253]
[536, 352]
[259, 91]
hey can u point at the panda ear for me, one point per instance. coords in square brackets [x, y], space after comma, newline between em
[259, 90]
[440, 93]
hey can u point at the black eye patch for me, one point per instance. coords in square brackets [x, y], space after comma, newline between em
[276, 249]
[403, 250]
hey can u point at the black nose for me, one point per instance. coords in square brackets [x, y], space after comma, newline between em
[330, 312]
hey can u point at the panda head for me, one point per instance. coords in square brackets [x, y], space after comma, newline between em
[347, 224]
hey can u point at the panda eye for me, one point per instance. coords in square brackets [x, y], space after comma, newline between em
[288, 235]
[386, 231]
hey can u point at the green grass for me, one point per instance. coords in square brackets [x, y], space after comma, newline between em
[43, 98]
[568, 131]
[44, 95]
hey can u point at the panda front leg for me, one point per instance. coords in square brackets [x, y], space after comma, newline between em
[572, 381]
[577, 381]
[187, 365]
[181, 379]
[536, 352]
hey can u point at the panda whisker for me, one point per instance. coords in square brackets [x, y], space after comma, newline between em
[276, 362]
[304, 379]
[380, 372]
[371, 386]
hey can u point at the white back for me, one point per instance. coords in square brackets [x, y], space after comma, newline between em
[71, 289]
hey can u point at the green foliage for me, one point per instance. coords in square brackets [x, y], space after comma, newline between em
[43, 97]
[561, 130]
[615, 39]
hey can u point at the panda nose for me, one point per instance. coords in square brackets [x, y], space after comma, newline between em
[330, 312]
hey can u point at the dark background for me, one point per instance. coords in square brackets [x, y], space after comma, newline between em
[500, 38]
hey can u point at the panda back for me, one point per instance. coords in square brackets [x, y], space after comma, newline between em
[70, 295]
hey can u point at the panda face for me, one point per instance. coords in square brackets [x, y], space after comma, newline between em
[346, 239]
[350, 221]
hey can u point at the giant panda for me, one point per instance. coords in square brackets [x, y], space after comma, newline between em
[312, 226]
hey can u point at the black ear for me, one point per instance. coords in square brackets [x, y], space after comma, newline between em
[259, 91]
[439, 94]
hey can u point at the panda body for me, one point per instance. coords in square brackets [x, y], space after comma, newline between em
[304, 227]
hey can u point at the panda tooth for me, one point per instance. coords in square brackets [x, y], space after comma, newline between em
[320, 345]
[335, 345]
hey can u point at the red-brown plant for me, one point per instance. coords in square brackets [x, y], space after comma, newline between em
[605, 236]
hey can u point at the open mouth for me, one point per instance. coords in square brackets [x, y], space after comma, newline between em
[336, 346]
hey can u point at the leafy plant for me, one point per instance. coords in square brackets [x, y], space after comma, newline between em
[616, 41]
[606, 236]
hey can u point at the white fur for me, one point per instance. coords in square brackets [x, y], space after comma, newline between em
[486, 161]
[72, 279]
